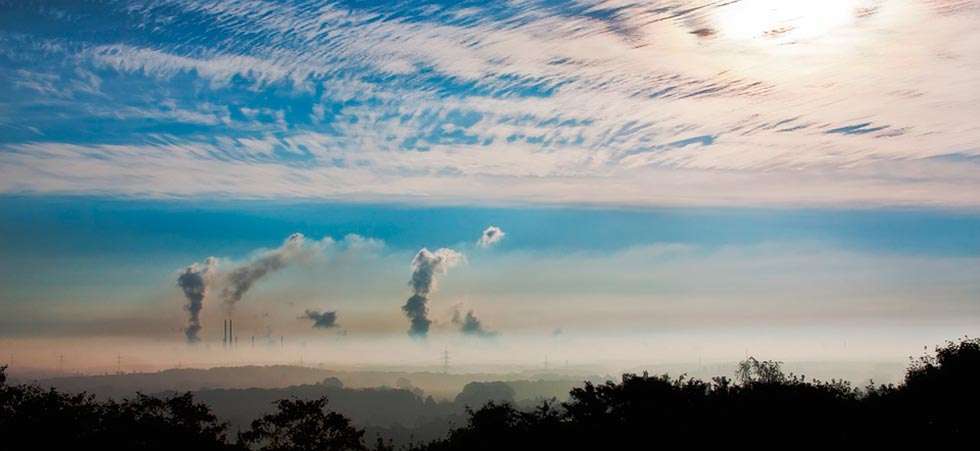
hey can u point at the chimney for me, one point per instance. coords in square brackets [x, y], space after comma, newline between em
[224, 340]
[231, 333]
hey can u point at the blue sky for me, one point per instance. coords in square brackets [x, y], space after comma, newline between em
[669, 166]
[50, 226]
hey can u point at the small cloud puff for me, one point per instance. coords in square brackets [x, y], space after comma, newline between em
[492, 235]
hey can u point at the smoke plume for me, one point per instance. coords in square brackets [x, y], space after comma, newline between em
[492, 235]
[470, 324]
[426, 266]
[199, 278]
[321, 320]
[417, 310]
[242, 278]
[194, 282]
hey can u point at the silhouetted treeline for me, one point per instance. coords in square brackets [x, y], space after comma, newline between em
[35, 418]
[937, 404]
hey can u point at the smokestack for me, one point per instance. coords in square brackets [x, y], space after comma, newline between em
[224, 339]
[231, 333]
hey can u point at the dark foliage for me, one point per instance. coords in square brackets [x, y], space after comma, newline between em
[34, 418]
[303, 425]
[940, 397]
[476, 394]
[935, 406]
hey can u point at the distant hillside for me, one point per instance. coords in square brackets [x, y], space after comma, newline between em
[405, 407]
[438, 385]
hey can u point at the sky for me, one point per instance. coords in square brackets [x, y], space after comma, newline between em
[790, 178]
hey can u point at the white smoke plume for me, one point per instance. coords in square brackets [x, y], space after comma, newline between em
[491, 236]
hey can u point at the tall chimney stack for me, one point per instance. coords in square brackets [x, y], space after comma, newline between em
[224, 340]
[231, 333]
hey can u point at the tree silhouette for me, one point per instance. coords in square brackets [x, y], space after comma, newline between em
[767, 371]
[941, 392]
[303, 425]
[34, 418]
[935, 405]
[476, 394]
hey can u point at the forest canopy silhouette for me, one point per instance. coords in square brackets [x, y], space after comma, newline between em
[936, 403]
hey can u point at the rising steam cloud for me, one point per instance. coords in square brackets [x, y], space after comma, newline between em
[470, 324]
[194, 282]
[241, 279]
[492, 235]
[197, 279]
[426, 266]
[321, 320]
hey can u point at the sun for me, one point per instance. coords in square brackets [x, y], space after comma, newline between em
[784, 19]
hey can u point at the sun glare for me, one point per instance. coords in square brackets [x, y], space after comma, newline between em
[784, 19]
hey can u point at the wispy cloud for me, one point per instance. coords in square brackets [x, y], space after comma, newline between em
[577, 102]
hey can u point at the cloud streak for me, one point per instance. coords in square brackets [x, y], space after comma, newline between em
[574, 102]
